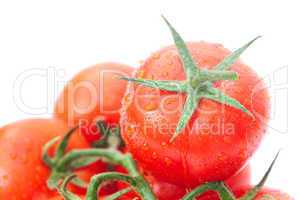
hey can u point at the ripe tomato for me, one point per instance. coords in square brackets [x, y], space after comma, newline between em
[23, 174]
[217, 140]
[93, 94]
[167, 191]
[265, 193]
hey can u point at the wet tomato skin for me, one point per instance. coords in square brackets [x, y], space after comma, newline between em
[93, 94]
[265, 193]
[23, 174]
[217, 141]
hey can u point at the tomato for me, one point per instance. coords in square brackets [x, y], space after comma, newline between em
[266, 193]
[218, 139]
[167, 191]
[93, 94]
[23, 174]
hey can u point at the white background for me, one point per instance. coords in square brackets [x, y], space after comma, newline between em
[71, 35]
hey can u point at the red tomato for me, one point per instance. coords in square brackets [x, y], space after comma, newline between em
[93, 94]
[23, 174]
[218, 139]
[266, 193]
[167, 191]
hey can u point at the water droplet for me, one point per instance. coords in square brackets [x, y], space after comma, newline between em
[129, 129]
[140, 74]
[154, 155]
[24, 159]
[156, 55]
[126, 98]
[221, 157]
[167, 161]
[165, 74]
[5, 177]
[13, 156]
[163, 144]
[38, 169]
[150, 106]
[243, 154]
[145, 146]
[170, 62]
[151, 77]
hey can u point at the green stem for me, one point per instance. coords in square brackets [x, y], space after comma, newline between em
[111, 155]
[63, 189]
[219, 187]
[135, 179]
[254, 191]
[97, 180]
[105, 132]
[118, 194]
[216, 75]
[45, 156]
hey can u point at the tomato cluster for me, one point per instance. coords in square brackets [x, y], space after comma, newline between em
[184, 117]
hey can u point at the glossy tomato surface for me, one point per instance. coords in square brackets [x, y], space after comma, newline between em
[167, 191]
[93, 94]
[267, 193]
[217, 141]
[23, 174]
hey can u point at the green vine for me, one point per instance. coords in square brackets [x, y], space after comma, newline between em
[63, 165]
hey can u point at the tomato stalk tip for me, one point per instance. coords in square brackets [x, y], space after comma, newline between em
[254, 191]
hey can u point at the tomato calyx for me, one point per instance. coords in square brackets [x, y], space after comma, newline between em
[199, 82]
[63, 166]
[225, 193]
